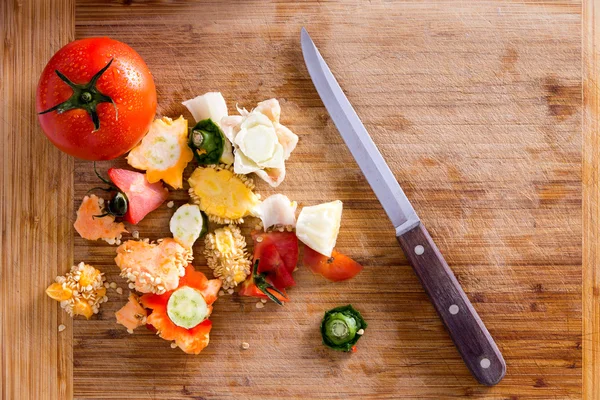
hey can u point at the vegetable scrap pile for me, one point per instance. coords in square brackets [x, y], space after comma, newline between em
[168, 293]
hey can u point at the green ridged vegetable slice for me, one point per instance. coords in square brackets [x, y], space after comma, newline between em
[340, 328]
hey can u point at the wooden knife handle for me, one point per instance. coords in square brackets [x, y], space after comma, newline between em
[471, 337]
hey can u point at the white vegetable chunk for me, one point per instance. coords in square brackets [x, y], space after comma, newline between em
[318, 226]
[186, 224]
[261, 143]
[276, 210]
[209, 105]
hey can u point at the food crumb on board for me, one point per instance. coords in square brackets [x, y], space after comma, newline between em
[230, 291]
[173, 345]
[130, 331]
[245, 345]
[259, 305]
[113, 285]
[131, 286]
[136, 234]
[360, 332]
[120, 290]
[221, 293]
[61, 328]
[170, 204]
[264, 301]
[106, 285]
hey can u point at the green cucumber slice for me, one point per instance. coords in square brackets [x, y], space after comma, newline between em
[187, 307]
[188, 224]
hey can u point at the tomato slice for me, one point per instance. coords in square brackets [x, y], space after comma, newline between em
[336, 268]
[286, 244]
[271, 262]
[143, 196]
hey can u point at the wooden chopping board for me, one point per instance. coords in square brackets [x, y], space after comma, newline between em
[476, 111]
[477, 108]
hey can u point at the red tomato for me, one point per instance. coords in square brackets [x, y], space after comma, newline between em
[286, 244]
[142, 196]
[127, 82]
[271, 263]
[277, 253]
[336, 268]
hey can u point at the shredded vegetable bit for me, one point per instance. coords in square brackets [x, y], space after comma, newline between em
[163, 153]
[80, 291]
[226, 255]
[153, 267]
[91, 227]
[224, 196]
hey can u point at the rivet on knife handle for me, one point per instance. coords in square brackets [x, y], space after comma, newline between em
[471, 337]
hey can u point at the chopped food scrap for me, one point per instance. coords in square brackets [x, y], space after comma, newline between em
[275, 259]
[132, 314]
[212, 106]
[163, 153]
[142, 196]
[181, 315]
[226, 255]
[276, 210]
[61, 328]
[245, 345]
[80, 291]
[207, 142]
[153, 267]
[188, 224]
[336, 268]
[318, 226]
[261, 143]
[340, 328]
[224, 196]
[91, 227]
[209, 105]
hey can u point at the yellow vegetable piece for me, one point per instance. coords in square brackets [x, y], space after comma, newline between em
[163, 153]
[82, 307]
[88, 275]
[226, 255]
[58, 293]
[224, 196]
[80, 291]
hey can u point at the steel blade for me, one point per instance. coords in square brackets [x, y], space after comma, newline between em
[367, 156]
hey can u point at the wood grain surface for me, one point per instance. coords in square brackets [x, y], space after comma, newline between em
[36, 191]
[475, 105]
[591, 205]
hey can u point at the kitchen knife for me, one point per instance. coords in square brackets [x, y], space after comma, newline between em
[471, 337]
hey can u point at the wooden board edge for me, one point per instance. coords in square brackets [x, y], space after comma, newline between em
[36, 188]
[591, 201]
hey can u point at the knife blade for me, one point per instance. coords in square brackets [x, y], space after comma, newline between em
[472, 339]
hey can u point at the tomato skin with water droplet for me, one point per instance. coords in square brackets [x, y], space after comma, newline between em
[128, 82]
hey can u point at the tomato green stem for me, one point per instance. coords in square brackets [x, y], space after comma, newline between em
[85, 96]
[264, 286]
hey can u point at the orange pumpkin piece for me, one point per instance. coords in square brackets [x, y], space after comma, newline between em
[132, 314]
[91, 227]
[193, 340]
[153, 267]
